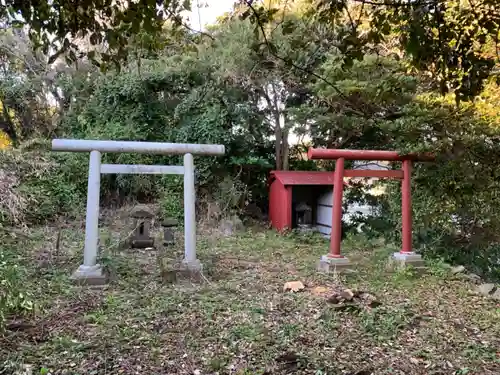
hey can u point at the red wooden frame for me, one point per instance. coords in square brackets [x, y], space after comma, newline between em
[338, 187]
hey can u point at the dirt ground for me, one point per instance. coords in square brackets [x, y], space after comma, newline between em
[239, 320]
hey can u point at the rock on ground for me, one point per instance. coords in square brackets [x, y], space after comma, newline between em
[485, 289]
[231, 225]
[458, 269]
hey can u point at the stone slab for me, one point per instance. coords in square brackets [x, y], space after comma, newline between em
[169, 223]
[339, 265]
[142, 243]
[141, 211]
[408, 259]
[89, 275]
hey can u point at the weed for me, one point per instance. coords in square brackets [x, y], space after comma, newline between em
[481, 352]
[384, 323]
[405, 274]
[438, 268]
[246, 331]
[15, 295]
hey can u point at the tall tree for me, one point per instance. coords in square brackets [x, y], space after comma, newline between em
[451, 39]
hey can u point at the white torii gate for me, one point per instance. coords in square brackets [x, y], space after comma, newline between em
[90, 271]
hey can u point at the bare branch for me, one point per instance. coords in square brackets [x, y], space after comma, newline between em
[397, 4]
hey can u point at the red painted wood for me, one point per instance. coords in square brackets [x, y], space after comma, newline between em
[406, 207]
[370, 173]
[277, 194]
[323, 153]
[303, 177]
[338, 190]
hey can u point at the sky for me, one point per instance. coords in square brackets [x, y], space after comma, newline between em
[207, 12]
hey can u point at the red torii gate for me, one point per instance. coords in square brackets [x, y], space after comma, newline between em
[338, 187]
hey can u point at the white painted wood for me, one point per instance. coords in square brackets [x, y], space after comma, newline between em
[160, 148]
[324, 211]
[189, 211]
[141, 169]
[324, 230]
[92, 216]
[324, 215]
[326, 198]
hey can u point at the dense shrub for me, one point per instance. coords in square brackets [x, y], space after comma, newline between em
[38, 185]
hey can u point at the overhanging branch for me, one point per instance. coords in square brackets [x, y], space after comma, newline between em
[288, 62]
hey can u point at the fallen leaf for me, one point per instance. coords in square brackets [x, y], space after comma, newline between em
[319, 290]
[293, 286]
[347, 294]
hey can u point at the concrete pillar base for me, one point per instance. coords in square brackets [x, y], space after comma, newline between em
[191, 270]
[191, 265]
[184, 271]
[89, 275]
[339, 265]
[408, 259]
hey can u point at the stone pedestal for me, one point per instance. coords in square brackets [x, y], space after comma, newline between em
[193, 267]
[89, 275]
[184, 271]
[408, 259]
[338, 265]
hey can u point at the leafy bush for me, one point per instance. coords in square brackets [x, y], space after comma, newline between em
[38, 185]
[15, 298]
[454, 198]
[172, 198]
[174, 103]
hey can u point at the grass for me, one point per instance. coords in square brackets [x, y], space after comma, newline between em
[240, 321]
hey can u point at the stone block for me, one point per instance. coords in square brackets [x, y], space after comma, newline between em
[168, 237]
[338, 265]
[90, 275]
[401, 260]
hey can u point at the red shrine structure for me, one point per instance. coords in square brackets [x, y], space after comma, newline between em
[288, 188]
[406, 255]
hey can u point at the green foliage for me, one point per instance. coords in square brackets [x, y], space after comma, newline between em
[452, 40]
[54, 24]
[172, 198]
[384, 323]
[15, 298]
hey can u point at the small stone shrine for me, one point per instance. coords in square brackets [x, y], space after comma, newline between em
[142, 217]
[168, 231]
[304, 216]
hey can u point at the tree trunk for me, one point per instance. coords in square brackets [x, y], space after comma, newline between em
[285, 150]
[278, 149]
